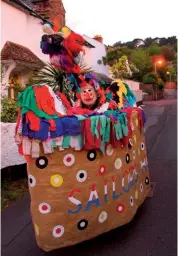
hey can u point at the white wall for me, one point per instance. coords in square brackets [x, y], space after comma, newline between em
[135, 87]
[92, 55]
[21, 28]
[26, 30]
[9, 150]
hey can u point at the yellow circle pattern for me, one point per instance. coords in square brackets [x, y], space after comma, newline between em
[136, 194]
[56, 180]
[36, 229]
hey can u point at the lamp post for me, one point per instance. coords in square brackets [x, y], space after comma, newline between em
[168, 73]
[157, 62]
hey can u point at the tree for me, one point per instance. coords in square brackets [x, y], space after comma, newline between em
[169, 53]
[117, 44]
[125, 51]
[122, 69]
[148, 41]
[163, 41]
[141, 60]
[172, 40]
[150, 78]
[154, 49]
[170, 73]
[113, 56]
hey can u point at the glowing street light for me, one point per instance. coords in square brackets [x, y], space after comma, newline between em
[157, 62]
[168, 73]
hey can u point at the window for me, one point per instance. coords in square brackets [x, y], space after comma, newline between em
[99, 62]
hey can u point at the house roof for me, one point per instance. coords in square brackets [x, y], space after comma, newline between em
[16, 52]
[19, 4]
[27, 6]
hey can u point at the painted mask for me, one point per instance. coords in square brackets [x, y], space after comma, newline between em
[88, 95]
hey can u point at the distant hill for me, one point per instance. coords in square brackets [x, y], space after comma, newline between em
[146, 42]
[142, 56]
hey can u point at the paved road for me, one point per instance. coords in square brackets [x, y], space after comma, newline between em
[152, 231]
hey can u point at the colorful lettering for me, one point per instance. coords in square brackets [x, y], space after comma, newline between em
[114, 196]
[105, 191]
[74, 201]
[91, 201]
[126, 190]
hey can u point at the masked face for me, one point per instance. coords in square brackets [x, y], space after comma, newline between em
[88, 95]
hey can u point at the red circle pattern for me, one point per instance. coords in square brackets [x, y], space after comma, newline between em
[122, 208]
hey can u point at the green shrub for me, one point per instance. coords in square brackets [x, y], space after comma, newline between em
[149, 78]
[9, 110]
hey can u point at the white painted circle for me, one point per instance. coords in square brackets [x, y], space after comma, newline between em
[81, 175]
[44, 208]
[92, 155]
[141, 187]
[82, 224]
[69, 159]
[131, 201]
[109, 150]
[103, 216]
[120, 208]
[134, 154]
[142, 146]
[58, 231]
[102, 169]
[31, 180]
[41, 162]
[130, 141]
[118, 163]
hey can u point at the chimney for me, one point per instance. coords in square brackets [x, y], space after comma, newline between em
[52, 10]
[99, 38]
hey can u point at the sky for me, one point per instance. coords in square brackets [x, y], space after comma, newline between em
[122, 20]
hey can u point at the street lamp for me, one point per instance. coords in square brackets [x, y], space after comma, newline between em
[168, 73]
[157, 62]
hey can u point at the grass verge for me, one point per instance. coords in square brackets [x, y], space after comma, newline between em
[12, 191]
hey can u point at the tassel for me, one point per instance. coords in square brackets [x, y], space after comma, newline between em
[47, 146]
[35, 149]
[26, 146]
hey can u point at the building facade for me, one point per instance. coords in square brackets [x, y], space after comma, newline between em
[21, 33]
[93, 56]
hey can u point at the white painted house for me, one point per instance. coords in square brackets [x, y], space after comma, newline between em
[93, 56]
[21, 33]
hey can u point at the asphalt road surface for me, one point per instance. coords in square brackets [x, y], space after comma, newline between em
[153, 231]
